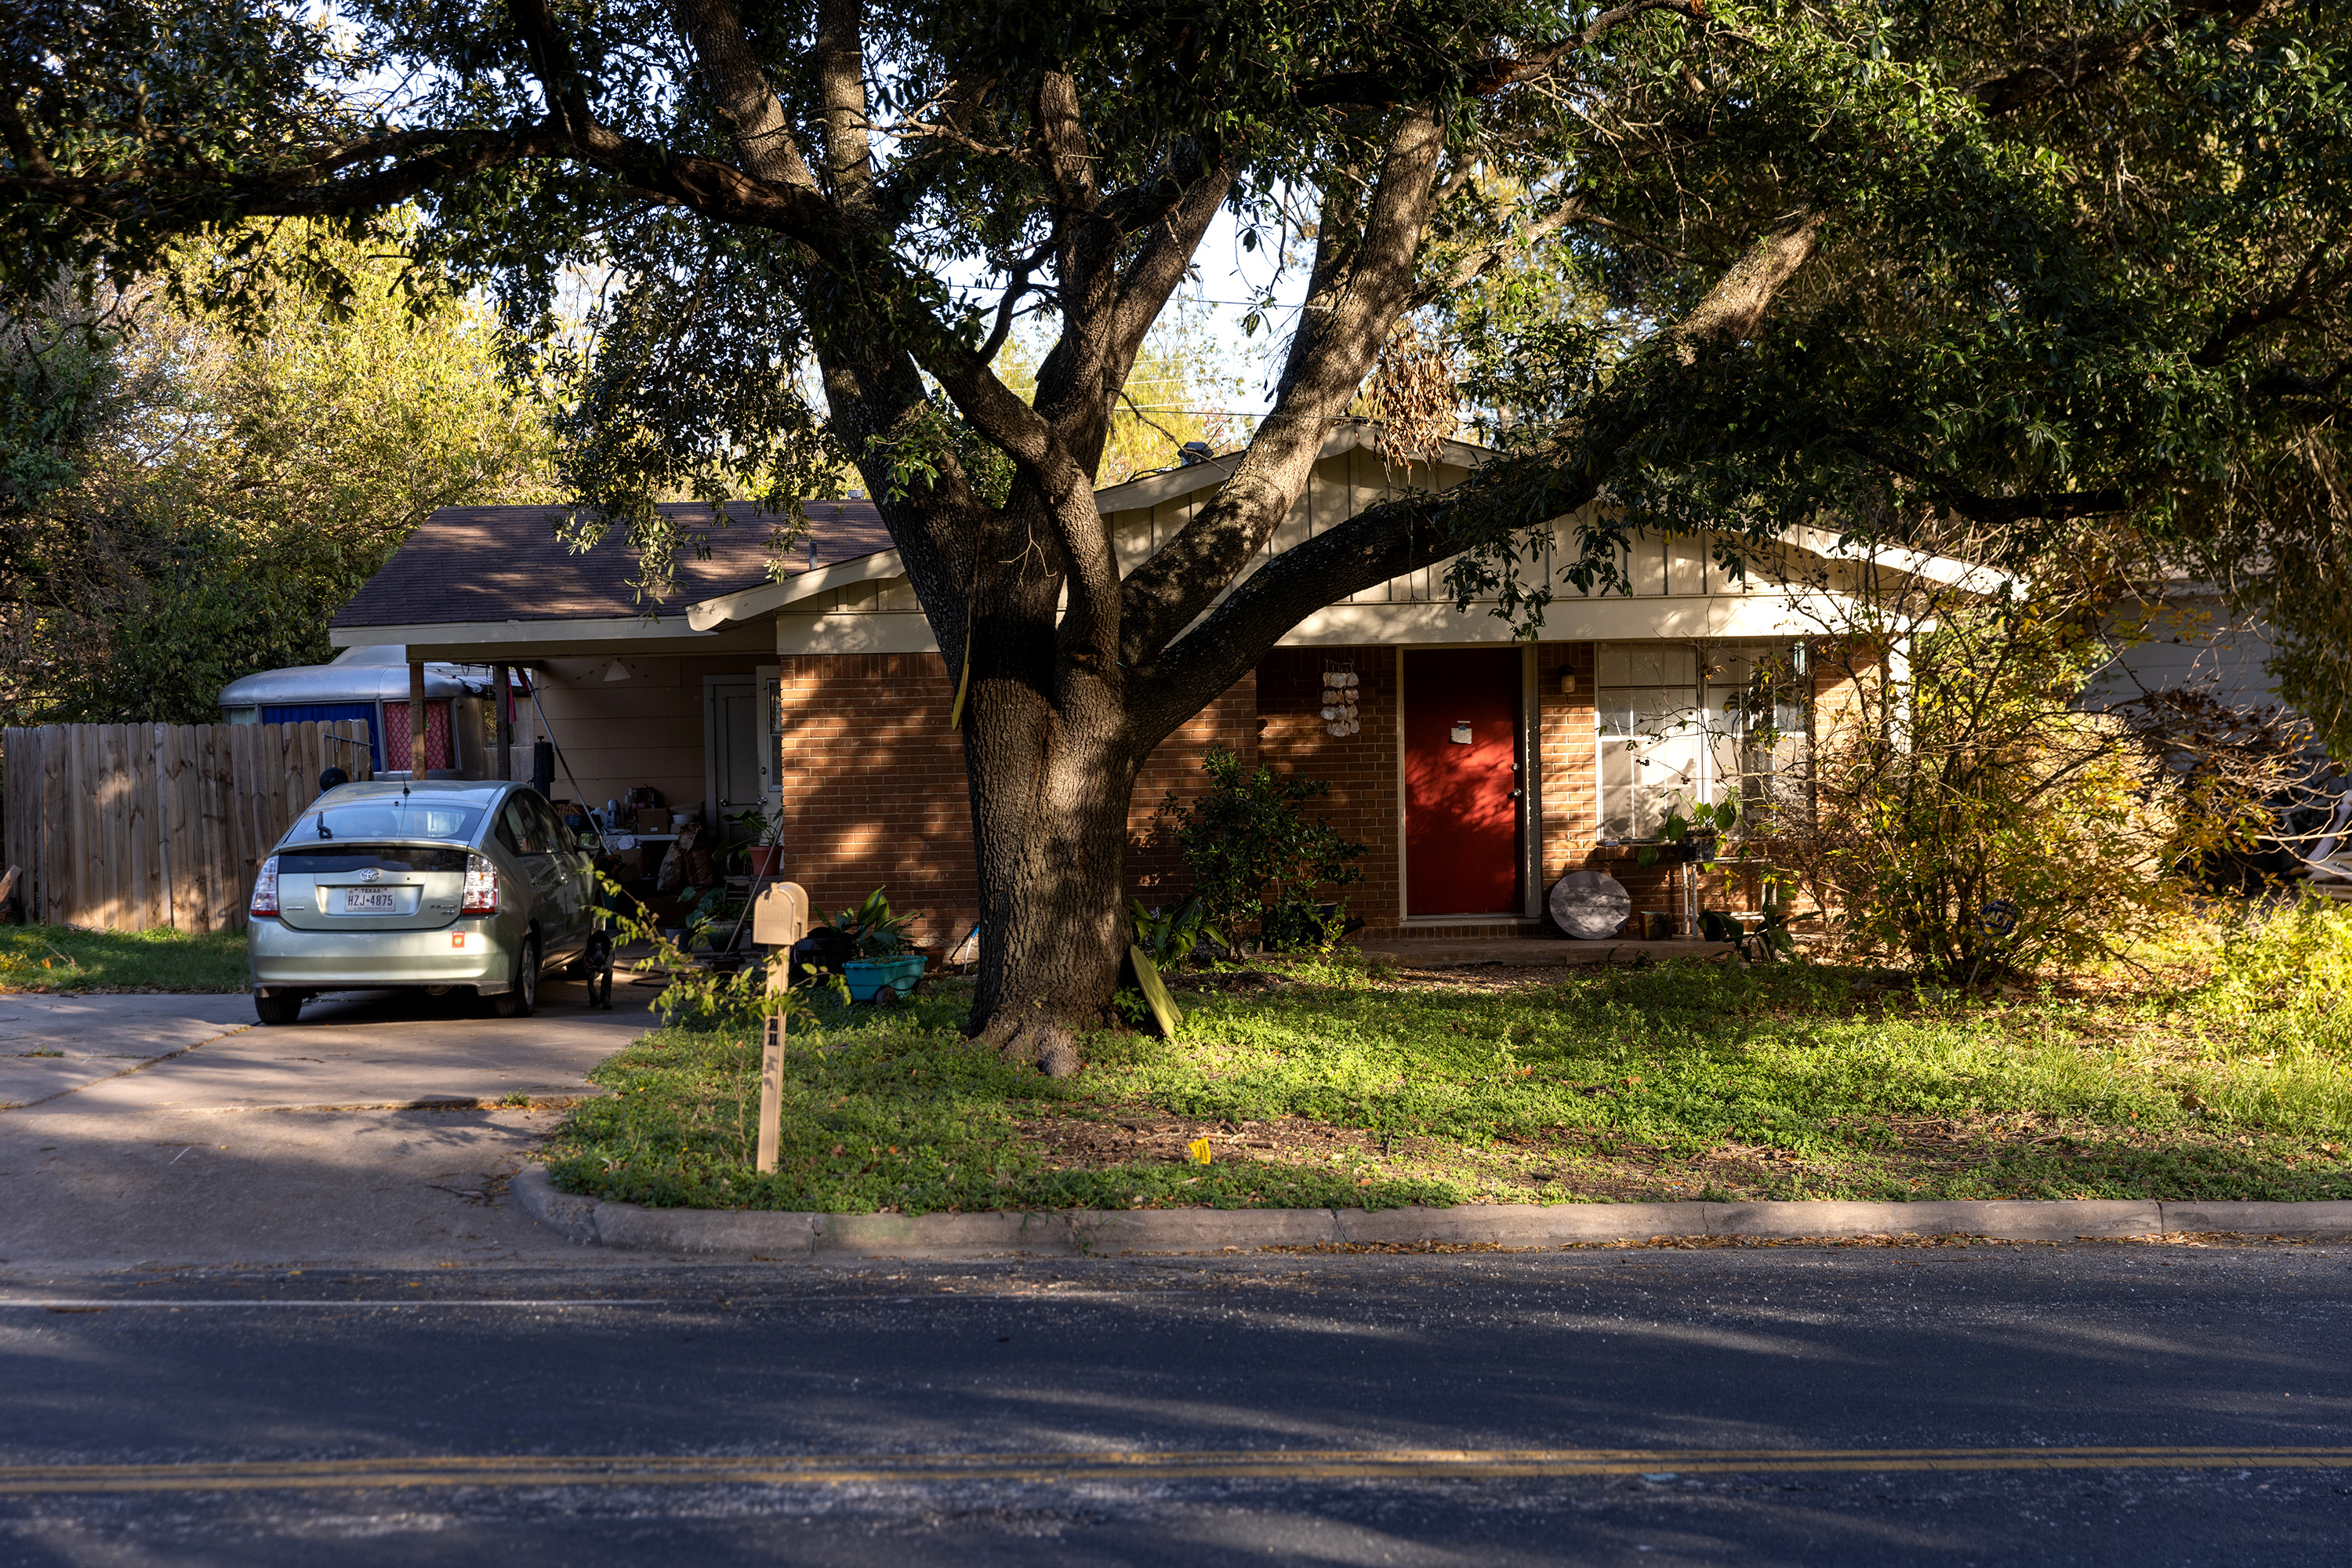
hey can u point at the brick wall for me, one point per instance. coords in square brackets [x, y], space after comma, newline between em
[1155, 872]
[874, 788]
[875, 793]
[1365, 799]
[875, 796]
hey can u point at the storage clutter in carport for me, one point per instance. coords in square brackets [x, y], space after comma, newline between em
[674, 881]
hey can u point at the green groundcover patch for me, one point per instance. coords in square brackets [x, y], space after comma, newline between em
[67, 958]
[1337, 1086]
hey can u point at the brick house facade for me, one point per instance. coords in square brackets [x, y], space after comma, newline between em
[820, 696]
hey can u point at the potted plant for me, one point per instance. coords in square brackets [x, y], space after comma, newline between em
[762, 852]
[885, 959]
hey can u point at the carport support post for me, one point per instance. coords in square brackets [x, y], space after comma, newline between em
[502, 724]
[416, 718]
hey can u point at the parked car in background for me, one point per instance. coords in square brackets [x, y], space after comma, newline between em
[434, 887]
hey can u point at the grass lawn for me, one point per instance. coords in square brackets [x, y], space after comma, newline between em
[66, 958]
[1336, 1085]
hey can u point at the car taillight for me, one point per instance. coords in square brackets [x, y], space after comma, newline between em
[265, 887]
[481, 886]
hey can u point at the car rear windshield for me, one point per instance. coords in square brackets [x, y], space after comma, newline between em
[395, 816]
[306, 861]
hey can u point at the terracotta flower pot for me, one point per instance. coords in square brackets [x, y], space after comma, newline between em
[767, 859]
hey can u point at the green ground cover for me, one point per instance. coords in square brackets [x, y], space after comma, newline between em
[1344, 1085]
[66, 958]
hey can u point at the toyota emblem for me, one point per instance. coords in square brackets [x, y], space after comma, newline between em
[370, 874]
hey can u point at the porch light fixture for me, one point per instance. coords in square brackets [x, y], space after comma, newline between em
[1567, 683]
[1339, 711]
[616, 670]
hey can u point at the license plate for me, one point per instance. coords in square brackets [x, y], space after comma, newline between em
[371, 902]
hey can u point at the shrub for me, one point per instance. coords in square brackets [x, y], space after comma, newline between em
[1169, 934]
[2296, 962]
[1256, 860]
[1969, 814]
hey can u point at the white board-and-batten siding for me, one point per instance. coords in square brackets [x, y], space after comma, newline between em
[1678, 589]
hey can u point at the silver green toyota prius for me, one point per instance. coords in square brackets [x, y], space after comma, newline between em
[444, 886]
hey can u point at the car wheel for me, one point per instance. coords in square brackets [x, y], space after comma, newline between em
[521, 999]
[277, 1007]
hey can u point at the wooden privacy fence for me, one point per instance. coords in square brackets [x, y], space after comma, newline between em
[131, 826]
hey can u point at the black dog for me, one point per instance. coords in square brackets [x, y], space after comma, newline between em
[598, 961]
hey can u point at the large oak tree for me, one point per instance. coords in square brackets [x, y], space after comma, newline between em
[2046, 264]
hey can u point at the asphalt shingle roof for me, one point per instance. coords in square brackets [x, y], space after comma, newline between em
[486, 563]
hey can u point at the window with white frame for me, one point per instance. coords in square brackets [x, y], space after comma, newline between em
[1682, 723]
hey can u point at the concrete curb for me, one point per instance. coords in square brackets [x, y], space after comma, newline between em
[1110, 1232]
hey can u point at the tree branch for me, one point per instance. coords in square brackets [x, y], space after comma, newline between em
[1473, 265]
[2081, 62]
[841, 81]
[745, 102]
[1734, 307]
[552, 61]
[1362, 283]
[2253, 318]
[1491, 75]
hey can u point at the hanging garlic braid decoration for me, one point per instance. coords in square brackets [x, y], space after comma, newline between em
[1340, 699]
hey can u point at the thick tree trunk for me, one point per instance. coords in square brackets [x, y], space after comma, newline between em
[1049, 795]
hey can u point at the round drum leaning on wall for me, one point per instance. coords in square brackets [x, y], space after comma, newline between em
[1590, 905]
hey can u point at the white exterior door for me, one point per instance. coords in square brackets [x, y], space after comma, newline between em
[731, 730]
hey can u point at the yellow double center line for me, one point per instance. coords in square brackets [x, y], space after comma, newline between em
[1231, 1465]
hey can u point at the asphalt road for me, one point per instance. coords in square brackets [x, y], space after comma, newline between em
[1757, 1405]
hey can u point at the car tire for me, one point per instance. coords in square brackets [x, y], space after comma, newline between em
[277, 1007]
[521, 999]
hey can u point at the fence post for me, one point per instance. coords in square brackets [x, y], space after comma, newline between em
[81, 824]
[150, 900]
[22, 805]
[56, 805]
[215, 812]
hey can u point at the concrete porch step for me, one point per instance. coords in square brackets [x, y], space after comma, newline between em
[1527, 953]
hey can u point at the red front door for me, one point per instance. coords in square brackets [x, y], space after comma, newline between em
[1461, 783]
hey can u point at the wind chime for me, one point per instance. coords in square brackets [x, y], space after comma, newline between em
[1340, 699]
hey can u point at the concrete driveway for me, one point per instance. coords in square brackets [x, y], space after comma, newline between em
[159, 1130]
[365, 1048]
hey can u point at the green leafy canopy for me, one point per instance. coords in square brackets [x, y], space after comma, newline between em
[2060, 276]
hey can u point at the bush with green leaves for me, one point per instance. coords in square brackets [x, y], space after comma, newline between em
[1968, 814]
[2287, 969]
[1257, 861]
[1169, 934]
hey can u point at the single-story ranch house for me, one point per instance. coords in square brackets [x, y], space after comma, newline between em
[1478, 769]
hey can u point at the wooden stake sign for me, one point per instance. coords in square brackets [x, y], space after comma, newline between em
[779, 920]
[1164, 1011]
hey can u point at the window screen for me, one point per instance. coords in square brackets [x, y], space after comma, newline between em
[1651, 731]
[1681, 723]
[1756, 727]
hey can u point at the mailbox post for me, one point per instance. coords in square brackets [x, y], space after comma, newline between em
[779, 918]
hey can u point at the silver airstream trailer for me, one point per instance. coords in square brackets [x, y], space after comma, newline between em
[371, 683]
